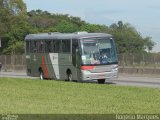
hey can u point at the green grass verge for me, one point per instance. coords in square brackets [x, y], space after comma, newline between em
[26, 96]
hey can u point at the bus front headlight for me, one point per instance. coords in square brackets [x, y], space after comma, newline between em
[115, 68]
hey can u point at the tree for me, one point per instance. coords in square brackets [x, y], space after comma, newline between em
[94, 28]
[128, 39]
[12, 23]
[148, 43]
[5, 26]
[4, 21]
[42, 21]
[16, 7]
[66, 27]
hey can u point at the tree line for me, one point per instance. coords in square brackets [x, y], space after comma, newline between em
[16, 23]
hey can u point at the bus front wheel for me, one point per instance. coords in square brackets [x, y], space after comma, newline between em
[69, 76]
[101, 81]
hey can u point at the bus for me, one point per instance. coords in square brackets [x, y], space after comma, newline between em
[79, 56]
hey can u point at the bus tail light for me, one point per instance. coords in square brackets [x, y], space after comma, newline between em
[87, 67]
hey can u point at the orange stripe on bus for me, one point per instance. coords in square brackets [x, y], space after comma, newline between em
[44, 67]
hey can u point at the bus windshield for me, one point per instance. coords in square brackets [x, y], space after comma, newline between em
[97, 51]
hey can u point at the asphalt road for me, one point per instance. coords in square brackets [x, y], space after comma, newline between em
[128, 80]
[124, 79]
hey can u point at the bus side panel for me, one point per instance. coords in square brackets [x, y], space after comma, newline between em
[57, 65]
[54, 65]
[32, 64]
[28, 67]
[47, 61]
[65, 63]
[49, 70]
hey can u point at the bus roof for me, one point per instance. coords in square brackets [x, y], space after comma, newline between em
[57, 35]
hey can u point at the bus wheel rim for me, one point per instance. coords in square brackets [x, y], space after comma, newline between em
[41, 76]
[70, 77]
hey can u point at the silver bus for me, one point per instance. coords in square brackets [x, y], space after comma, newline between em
[76, 56]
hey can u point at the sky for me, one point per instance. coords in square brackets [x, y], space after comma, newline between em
[144, 15]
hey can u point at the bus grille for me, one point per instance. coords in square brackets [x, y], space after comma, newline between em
[99, 69]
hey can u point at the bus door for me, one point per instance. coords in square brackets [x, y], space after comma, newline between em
[76, 60]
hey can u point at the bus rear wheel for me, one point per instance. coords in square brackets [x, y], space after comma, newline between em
[41, 75]
[101, 81]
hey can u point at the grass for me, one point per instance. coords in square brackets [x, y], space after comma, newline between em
[26, 96]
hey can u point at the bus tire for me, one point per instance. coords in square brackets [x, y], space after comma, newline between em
[69, 76]
[41, 75]
[101, 81]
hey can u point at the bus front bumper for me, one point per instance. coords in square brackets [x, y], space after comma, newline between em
[87, 75]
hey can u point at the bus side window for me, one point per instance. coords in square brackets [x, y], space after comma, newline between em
[74, 45]
[57, 46]
[41, 46]
[38, 45]
[66, 45]
[48, 45]
[33, 47]
[27, 46]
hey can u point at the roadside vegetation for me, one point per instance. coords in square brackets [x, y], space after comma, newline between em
[28, 96]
